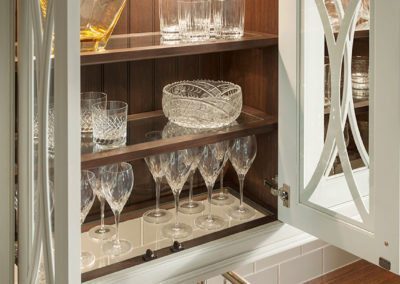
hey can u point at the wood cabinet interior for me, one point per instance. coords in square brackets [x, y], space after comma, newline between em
[140, 84]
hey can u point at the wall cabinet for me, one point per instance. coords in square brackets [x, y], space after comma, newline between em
[337, 160]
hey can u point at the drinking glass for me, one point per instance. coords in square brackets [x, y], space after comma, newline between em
[210, 167]
[222, 198]
[194, 20]
[242, 155]
[109, 124]
[177, 167]
[191, 206]
[88, 181]
[157, 215]
[169, 25]
[360, 77]
[101, 232]
[228, 18]
[88, 99]
[117, 184]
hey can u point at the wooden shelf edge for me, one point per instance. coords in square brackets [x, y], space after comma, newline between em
[142, 150]
[253, 40]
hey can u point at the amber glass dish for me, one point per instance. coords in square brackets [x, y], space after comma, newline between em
[98, 19]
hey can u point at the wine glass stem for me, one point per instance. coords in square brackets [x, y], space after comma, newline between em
[241, 184]
[102, 206]
[221, 182]
[209, 189]
[176, 195]
[117, 215]
[191, 187]
[158, 189]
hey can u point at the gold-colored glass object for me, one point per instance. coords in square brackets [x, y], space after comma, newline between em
[98, 19]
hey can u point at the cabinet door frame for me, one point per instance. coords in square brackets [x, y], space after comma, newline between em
[383, 242]
[7, 126]
[67, 141]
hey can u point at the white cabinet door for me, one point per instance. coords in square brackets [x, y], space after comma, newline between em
[342, 165]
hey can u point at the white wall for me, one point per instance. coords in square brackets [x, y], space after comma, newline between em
[294, 266]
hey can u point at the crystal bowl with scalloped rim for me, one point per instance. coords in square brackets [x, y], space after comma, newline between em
[202, 103]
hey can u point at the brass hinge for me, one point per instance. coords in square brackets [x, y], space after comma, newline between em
[282, 192]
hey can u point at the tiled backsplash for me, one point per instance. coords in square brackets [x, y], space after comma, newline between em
[293, 266]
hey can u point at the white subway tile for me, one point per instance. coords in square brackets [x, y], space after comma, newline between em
[245, 270]
[277, 258]
[335, 258]
[267, 276]
[314, 245]
[301, 269]
[216, 280]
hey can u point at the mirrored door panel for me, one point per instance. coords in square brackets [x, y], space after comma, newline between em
[335, 97]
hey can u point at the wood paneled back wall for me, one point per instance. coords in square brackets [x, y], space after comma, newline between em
[140, 83]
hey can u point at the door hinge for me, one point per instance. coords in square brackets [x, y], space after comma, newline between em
[283, 193]
[384, 263]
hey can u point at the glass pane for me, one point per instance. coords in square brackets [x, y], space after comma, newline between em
[335, 109]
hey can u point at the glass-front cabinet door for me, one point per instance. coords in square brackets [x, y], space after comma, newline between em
[339, 123]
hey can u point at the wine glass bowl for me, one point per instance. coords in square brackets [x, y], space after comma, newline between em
[242, 155]
[88, 181]
[210, 167]
[117, 183]
[177, 166]
[102, 231]
[157, 215]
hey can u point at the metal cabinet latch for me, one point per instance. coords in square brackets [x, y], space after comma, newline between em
[283, 193]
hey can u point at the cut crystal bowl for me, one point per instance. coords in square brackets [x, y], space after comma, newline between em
[202, 103]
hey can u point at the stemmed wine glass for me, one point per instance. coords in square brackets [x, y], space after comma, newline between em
[177, 167]
[88, 181]
[157, 215]
[101, 232]
[222, 198]
[191, 206]
[242, 155]
[210, 167]
[117, 184]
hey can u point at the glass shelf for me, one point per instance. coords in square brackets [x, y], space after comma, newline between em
[250, 121]
[139, 46]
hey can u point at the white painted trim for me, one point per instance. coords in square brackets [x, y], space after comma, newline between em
[213, 258]
[26, 183]
[7, 122]
[67, 142]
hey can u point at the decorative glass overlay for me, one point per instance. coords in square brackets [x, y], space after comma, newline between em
[334, 112]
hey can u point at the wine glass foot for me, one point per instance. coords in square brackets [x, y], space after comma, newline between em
[111, 248]
[191, 207]
[222, 199]
[87, 259]
[210, 223]
[177, 231]
[159, 216]
[101, 234]
[240, 213]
